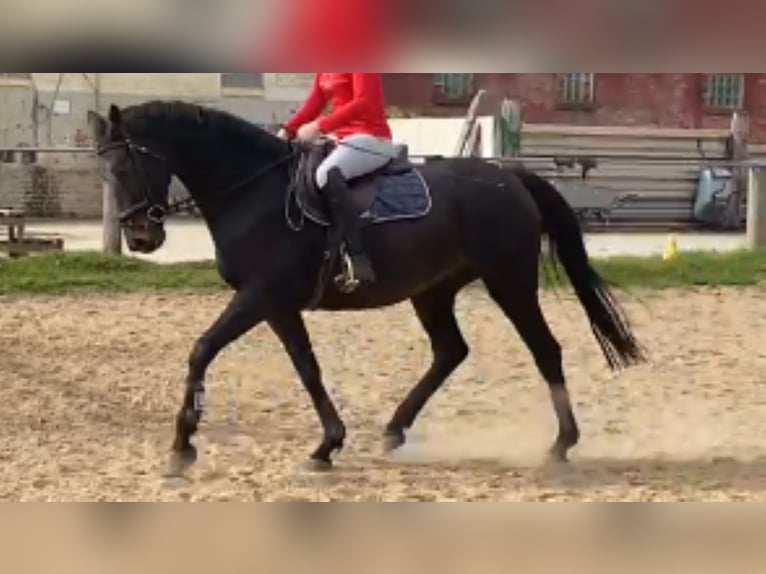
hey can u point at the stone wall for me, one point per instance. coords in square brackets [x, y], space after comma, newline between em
[51, 192]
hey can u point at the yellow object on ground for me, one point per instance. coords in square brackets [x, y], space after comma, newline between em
[671, 249]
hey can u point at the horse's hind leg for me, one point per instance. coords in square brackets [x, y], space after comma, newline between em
[436, 311]
[516, 294]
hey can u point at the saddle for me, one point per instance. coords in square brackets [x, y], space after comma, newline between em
[393, 192]
[364, 189]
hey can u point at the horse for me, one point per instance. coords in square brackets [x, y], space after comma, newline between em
[476, 222]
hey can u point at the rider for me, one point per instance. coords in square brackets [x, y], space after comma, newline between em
[357, 120]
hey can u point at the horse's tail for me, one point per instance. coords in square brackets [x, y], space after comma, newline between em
[609, 323]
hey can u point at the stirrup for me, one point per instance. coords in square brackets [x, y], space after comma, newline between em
[346, 281]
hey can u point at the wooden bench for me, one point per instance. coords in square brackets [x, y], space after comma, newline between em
[17, 243]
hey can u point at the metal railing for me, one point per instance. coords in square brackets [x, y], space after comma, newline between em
[52, 186]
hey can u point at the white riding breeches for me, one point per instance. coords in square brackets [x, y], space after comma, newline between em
[356, 156]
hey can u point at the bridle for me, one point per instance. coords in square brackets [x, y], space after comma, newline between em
[156, 209]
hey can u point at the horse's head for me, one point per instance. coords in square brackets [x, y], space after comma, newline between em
[140, 177]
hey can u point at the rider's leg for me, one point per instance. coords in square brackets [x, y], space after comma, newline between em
[354, 157]
[346, 218]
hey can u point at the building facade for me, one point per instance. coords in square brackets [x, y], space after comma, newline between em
[51, 109]
[667, 100]
[46, 109]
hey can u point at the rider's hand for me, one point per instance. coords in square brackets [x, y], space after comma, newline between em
[282, 134]
[309, 132]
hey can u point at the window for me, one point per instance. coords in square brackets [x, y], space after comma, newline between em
[724, 91]
[576, 89]
[453, 87]
[247, 83]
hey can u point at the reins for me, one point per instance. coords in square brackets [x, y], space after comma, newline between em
[158, 210]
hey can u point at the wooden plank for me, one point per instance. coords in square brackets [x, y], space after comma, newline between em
[625, 159]
[32, 243]
[50, 149]
[644, 151]
[607, 140]
[582, 146]
[610, 178]
[31, 246]
[12, 221]
[11, 216]
[579, 197]
[18, 243]
[641, 227]
[619, 171]
[624, 131]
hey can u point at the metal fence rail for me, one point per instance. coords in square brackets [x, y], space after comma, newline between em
[63, 182]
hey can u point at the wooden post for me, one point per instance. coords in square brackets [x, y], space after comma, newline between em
[756, 209]
[468, 124]
[740, 127]
[508, 129]
[111, 223]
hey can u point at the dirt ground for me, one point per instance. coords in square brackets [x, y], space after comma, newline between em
[91, 385]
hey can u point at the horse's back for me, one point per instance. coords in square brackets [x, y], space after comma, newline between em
[483, 197]
[474, 205]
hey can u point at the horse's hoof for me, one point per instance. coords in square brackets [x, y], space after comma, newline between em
[557, 456]
[392, 442]
[319, 465]
[180, 461]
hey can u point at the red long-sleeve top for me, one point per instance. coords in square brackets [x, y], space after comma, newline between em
[356, 102]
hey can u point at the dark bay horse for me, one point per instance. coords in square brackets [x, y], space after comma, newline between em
[485, 223]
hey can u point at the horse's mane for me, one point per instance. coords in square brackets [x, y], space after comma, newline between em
[161, 117]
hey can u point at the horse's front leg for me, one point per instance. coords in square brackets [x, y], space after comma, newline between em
[291, 330]
[243, 313]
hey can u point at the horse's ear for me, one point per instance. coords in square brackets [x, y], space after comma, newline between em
[115, 115]
[98, 125]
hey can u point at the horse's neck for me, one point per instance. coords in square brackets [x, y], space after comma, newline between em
[222, 192]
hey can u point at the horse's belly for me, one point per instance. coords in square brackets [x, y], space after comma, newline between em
[409, 258]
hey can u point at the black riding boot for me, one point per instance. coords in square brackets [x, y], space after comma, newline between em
[344, 215]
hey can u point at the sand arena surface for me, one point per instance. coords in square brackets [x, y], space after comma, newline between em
[91, 386]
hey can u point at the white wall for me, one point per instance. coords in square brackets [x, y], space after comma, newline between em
[132, 84]
[277, 87]
[287, 87]
[438, 136]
